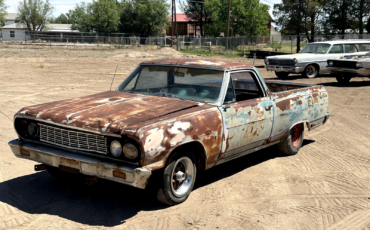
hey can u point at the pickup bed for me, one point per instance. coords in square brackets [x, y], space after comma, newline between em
[172, 118]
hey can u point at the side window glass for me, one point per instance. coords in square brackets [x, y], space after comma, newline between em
[363, 47]
[337, 49]
[350, 48]
[246, 86]
[230, 94]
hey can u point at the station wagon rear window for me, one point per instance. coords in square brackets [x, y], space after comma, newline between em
[178, 82]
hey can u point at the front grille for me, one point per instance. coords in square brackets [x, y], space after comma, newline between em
[73, 139]
[281, 62]
[345, 64]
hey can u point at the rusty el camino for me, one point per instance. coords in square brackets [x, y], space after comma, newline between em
[171, 118]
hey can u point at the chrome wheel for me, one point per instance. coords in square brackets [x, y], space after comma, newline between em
[183, 174]
[311, 71]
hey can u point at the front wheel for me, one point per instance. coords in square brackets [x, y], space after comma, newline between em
[281, 74]
[311, 71]
[178, 179]
[292, 142]
[343, 79]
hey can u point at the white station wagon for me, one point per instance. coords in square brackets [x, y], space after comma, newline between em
[312, 59]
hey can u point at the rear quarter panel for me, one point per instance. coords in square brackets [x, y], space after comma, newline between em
[298, 106]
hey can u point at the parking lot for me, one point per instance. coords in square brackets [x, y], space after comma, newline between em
[325, 186]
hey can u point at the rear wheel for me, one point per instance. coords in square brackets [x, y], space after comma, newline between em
[178, 179]
[281, 74]
[311, 71]
[343, 79]
[292, 142]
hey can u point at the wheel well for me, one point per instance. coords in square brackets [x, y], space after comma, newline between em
[198, 151]
[316, 65]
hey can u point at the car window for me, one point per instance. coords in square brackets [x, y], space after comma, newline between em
[363, 47]
[230, 94]
[246, 86]
[350, 48]
[318, 48]
[337, 49]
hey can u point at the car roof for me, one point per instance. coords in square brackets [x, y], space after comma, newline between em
[199, 63]
[350, 41]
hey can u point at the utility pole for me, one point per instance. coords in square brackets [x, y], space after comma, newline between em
[177, 34]
[172, 25]
[228, 21]
[201, 20]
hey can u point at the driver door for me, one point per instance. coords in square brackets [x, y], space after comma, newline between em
[247, 115]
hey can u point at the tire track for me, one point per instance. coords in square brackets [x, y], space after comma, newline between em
[356, 220]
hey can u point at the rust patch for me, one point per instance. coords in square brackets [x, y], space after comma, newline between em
[66, 161]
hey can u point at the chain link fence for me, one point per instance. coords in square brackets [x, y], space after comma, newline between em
[239, 46]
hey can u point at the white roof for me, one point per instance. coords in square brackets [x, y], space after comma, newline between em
[51, 27]
[346, 41]
[11, 16]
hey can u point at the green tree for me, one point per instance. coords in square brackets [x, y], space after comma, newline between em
[196, 13]
[2, 13]
[61, 19]
[101, 16]
[144, 17]
[359, 14]
[337, 19]
[34, 14]
[247, 17]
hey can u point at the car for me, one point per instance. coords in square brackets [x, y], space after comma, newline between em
[347, 67]
[171, 118]
[312, 59]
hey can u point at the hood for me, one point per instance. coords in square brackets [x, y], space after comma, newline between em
[112, 111]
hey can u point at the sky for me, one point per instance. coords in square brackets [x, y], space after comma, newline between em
[62, 6]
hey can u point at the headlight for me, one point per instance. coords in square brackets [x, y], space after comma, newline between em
[358, 65]
[130, 151]
[331, 63]
[295, 61]
[33, 130]
[266, 61]
[116, 148]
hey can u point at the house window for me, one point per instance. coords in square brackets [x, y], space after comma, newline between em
[12, 35]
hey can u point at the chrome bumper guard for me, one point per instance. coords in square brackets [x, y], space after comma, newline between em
[87, 165]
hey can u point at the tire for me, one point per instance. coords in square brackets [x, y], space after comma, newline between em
[281, 74]
[343, 79]
[292, 142]
[178, 179]
[311, 71]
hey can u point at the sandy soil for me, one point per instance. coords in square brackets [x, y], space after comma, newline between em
[325, 186]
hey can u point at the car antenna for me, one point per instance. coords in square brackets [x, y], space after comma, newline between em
[113, 78]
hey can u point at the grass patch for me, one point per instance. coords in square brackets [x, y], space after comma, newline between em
[41, 66]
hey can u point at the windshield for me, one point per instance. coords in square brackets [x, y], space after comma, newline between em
[315, 48]
[182, 83]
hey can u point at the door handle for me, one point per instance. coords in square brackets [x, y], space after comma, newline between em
[268, 107]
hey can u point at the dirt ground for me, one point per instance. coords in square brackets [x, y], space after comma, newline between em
[325, 186]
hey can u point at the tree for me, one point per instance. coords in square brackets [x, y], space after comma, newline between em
[248, 17]
[61, 19]
[101, 16]
[289, 16]
[196, 12]
[2, 13]
[359, 14]
[144, 17]
[337, 19]
[34, 14]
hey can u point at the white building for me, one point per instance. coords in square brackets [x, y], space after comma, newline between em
[10, 18]
[15, 32]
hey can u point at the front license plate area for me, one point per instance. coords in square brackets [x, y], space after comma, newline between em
[278, 69]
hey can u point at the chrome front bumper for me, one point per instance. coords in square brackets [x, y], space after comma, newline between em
[355, 72]
[286, 69]
[87, 165]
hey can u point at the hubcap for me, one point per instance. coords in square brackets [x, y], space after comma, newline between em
[296, 135]
[183, 174]
[311, 71]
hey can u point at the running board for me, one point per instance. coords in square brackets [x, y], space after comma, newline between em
[246, 152]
